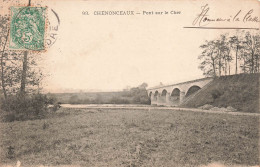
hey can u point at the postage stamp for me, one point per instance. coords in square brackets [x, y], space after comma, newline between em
[27, 28]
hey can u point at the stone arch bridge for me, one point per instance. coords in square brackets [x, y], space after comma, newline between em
[174, 95]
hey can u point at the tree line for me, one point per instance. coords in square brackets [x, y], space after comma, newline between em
[129, 95]
[240, 51]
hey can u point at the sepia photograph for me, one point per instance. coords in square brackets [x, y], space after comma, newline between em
[142, 83]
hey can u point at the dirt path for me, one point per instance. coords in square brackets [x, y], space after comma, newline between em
[146, 107]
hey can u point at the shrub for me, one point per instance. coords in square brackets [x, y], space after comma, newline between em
[215, 94]
[52, 100]
[25, 107]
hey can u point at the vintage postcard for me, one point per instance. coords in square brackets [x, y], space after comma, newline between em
[129, 83]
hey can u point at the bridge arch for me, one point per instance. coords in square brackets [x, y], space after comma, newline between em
[163, 96]
[176, 92]
[175, 96]
[192, 90]
[164, 92]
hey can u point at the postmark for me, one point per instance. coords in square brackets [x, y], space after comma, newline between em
[27, 28]
[53, 28]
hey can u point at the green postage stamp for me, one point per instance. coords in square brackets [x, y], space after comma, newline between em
[27, 28]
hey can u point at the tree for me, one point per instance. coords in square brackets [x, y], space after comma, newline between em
[19, 74]
[221, 49]
[20, 77]
[217, 55]
[236, 44]
[225, 53]
[252, 46]
[4, 37]
[208, 57]
[143, 86]
[243, 58]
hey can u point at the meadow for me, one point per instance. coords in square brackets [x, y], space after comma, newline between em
[131, 137]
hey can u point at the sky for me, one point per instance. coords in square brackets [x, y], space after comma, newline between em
[109, 53]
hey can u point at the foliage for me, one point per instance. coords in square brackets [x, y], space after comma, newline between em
[20, 77]
[139, 95]
[73, 99]
[241, 49]
[12, 66]
[25, 107]
[135, 95]
[215, 94]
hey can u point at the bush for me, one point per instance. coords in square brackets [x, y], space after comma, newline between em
[25, 107]
[140, 96]
[206, 107]
[215, 94]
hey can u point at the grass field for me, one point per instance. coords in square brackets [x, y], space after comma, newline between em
[127, 137]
